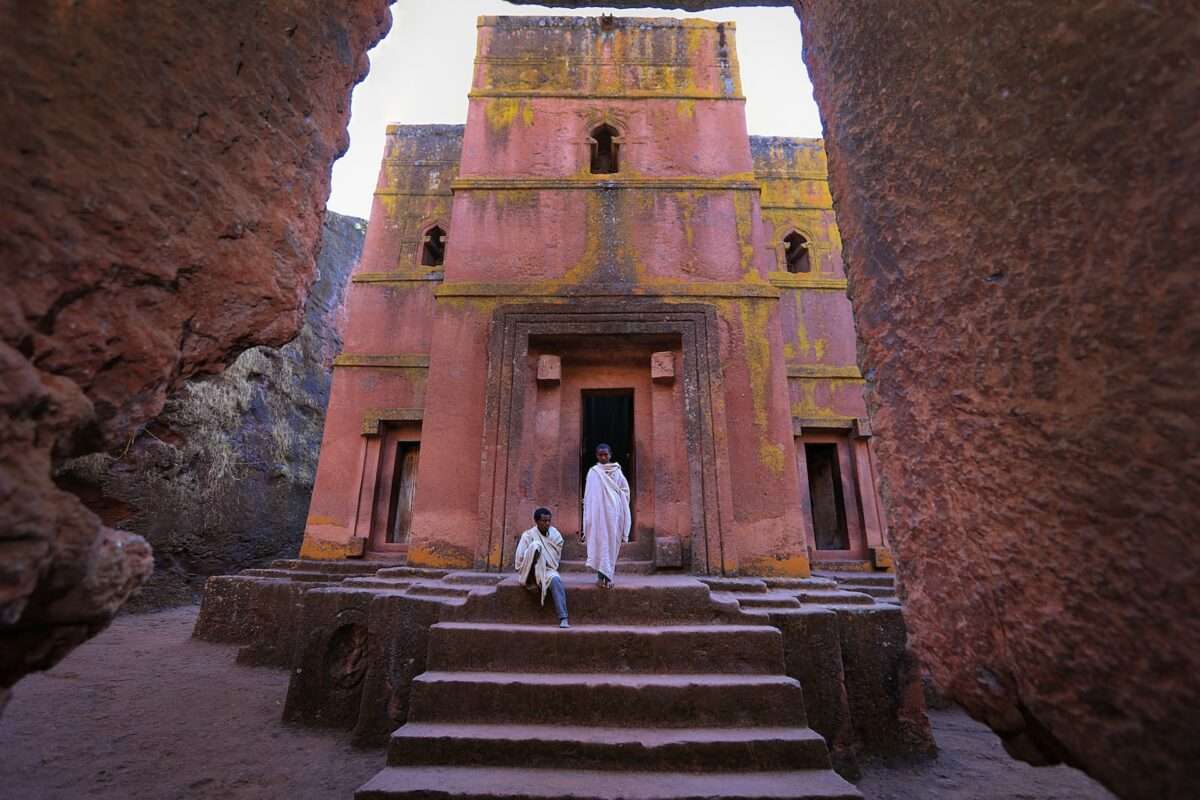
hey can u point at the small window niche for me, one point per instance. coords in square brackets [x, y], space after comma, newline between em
[606, 142]
[433, 247]
[795, 253]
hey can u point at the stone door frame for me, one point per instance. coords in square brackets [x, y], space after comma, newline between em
[710, 494]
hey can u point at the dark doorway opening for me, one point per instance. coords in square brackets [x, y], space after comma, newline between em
[605, 146]
[825, 495]
[404, 487]
[795, 253]
[608, 419]
[433, 247]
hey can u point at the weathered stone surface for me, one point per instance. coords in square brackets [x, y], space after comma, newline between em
[165, 168]
[221, 479]
[1015, 184]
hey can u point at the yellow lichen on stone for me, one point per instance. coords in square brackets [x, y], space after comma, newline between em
[796, 566]
[771, 455]
[502, 112]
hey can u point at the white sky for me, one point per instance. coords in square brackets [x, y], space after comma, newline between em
[421, 73]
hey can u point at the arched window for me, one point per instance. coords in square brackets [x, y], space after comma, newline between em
[433, 247]
[795, 252]
[605, 144]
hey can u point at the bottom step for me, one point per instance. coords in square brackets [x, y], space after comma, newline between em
[490, 783]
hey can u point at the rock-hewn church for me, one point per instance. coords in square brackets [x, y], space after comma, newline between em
[600, 254]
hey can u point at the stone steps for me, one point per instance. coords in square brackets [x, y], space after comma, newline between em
[672, 701]
[834, 597]
[660, 600]
[660, 689]
[439, 590]
[413, 572]
[767, 600]
[372, 582]
[736, 585]
[559, 746]
[864, 579]
[873, 591]
[630, 567]
[490, 783]
[292, 574]
[342, 567]
[499, 647]
[842, 566]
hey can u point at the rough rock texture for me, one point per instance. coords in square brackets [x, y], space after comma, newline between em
[164, 169]
[1016, 186]
[220, 481]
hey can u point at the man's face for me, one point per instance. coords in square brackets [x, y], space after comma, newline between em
[603, 456]
[543, 523]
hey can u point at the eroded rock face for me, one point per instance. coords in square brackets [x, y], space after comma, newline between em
[165, 167]
[221, 480]
[1016, 187]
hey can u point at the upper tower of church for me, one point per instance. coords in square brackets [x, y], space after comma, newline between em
[632, 132]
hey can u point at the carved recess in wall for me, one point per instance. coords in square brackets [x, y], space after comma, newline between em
[704, 415]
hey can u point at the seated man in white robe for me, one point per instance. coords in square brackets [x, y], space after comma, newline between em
[606, 517]
[538, 554]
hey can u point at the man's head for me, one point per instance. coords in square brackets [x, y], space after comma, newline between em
[603, 453]
[541, 518]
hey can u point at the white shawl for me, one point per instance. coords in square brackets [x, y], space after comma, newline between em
[606, 517]
[546, 569]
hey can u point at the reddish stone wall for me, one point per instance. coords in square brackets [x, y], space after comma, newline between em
[165, 166]
[1016, 186]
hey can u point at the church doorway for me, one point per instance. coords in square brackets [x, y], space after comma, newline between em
[607, 418]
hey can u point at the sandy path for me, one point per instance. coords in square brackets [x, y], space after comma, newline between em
[143, 712]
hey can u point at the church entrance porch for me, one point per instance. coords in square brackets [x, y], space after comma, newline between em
[604, 394]
[556, 379]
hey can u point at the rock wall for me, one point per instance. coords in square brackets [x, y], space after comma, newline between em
[221, 480]
[1016, 186]
[165, 167]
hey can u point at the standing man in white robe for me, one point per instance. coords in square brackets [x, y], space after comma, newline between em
[606, 516]
[538, 553]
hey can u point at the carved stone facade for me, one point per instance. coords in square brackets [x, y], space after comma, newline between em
[601, 251]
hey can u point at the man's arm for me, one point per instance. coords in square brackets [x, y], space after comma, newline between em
[522, 546]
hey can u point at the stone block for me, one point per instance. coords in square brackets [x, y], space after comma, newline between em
[662, 367]
[812, 654]
[259, 612]
[883, 683]
[668, 552]
[398, 643]
[549, 369]
[275, 615]
[331, 658]
[881, 557]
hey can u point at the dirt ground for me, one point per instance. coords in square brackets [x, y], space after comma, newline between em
[142, 712]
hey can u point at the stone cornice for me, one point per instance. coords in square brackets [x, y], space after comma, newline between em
[740, 182]
[547, 290]
[814, 371]
[632, 95]
[374, 416]
[412, 276]
[788, 280]
[378, 361]
[396, 193]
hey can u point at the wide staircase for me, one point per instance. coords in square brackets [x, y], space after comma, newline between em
[660, 689]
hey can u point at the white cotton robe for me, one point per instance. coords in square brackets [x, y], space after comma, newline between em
[606, 516]
[546, 569]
